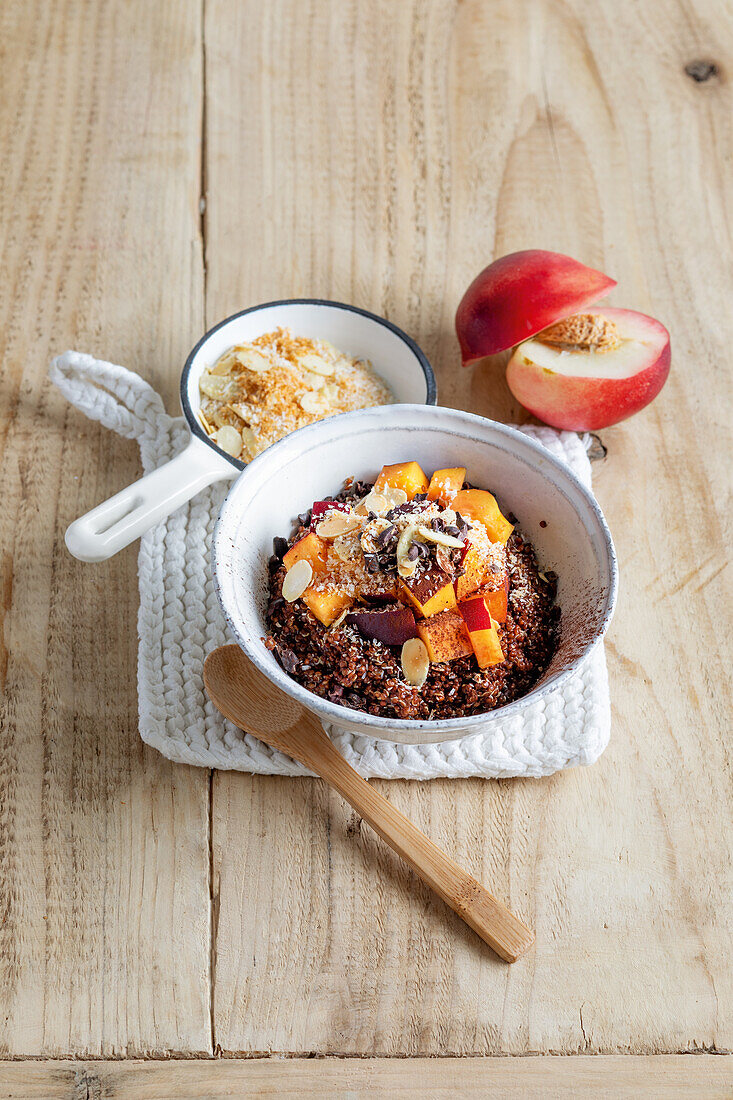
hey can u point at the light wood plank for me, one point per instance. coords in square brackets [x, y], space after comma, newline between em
[706, 1077]
[383, 154]
[103, 845]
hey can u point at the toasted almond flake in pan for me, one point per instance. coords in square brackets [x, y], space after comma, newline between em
[251, 444]
[313, 403]
[230, 440]
[337, 523]
[253, 360]
[222, 366]
[440, 538]
[415, 662]
[317, 364]
[297, 580]
[313, 381]
[213, 385]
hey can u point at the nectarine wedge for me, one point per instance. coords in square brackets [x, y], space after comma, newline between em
[521, 294]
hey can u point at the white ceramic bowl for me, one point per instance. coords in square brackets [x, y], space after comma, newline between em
[126, 516]
[525, 477]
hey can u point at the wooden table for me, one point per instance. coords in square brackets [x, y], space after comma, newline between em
[165, 164]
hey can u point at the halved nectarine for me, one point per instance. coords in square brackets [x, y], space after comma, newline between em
[592, 370]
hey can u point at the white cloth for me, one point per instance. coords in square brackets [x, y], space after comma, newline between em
[180, 622]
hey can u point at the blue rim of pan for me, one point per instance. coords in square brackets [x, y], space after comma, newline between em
[193, 421]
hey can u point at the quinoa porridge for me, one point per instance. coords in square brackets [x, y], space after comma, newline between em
[411, 598]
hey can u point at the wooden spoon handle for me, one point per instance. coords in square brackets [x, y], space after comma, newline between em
[493, 922]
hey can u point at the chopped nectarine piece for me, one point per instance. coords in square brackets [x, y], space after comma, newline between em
[477, 504]
[403, 475]
[487, 647]
[497, 601]
[310, 548]
[474, 564]
[327, 604]
[444, 484]
[429, 593]
[445, 636]
[477, 574]
[482, 631]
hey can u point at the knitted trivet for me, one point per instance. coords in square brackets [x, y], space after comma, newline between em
[180, 622]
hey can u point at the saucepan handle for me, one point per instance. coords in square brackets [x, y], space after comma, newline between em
[123, 518]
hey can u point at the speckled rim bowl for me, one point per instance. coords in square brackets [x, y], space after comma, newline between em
[527, 479]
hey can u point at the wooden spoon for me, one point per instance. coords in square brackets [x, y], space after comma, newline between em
[247, 698]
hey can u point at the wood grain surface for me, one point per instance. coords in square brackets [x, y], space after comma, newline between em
[166, 164]
[706, 1077]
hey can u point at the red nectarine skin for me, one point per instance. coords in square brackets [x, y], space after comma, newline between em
[589, 402]
[475, 614]
[517, 296]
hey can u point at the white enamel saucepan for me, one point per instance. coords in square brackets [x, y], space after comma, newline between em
[126, 516]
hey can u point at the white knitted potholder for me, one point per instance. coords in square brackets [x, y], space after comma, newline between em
[180, 622]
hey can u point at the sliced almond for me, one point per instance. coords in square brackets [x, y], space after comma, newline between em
[346, 547]
[313, 381]
[444, 560]
[415, 662]
[251, 442]
[317, 364]
[213, 385]
[297, 580]
[440, 538]
[337, 523]
[448, 516]
[373, 502]
[229, 439]
[223, 365]
[253, 360]
[313, 403]
[394, 497]
[331, 392]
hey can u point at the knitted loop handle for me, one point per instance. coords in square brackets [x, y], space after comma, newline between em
[119, 399]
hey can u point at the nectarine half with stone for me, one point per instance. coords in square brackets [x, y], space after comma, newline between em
[591, 370]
